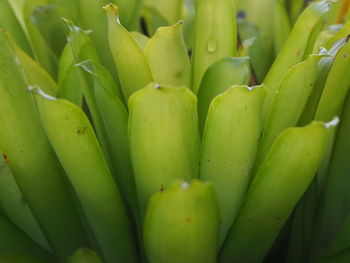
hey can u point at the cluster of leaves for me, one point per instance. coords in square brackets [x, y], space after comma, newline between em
[137, 136]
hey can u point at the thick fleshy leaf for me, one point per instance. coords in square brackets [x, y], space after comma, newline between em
[43, 53]
[14, 206]
[48, 20]
[295, 48]
[115, 120]
[14, 241]
[140, 39]
[336, 87]
[260, 16]
[151, 20]
[182, 224]
[289, 103]
[69, 78]
[335, 204]
[127, 55]
[170, 9]
[281, 25]
[66, 124]
[84, 255]
[340, 241]
[230, 142]
[282, 179]
[35, 74]
[83, 49]
[166, 53]
[295, 8]
[323, 70]
[215, 36]
[217, 79]
[164, 140]
[27, 150]
[342, 33]
[93, 18]
[129, 12]
[9, 22]
[341, 257]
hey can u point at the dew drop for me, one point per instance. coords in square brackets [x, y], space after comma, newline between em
[211, 45]
[185, 185]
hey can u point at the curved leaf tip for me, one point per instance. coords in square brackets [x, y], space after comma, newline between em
[332, 123]
[37, 91]
[112, 11]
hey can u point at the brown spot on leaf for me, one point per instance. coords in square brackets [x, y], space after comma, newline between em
[188, 220]
[5, 158]
[161, 188]
[81, 131]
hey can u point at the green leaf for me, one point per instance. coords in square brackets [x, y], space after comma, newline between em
[42, 52]
[83, 49]
[215, 36]
[163, 136]
[127, 55]
[69, 78]
[289, 103]
[32, 160]
[229, 146]
[336, 87]
[295, 8]
[93, 18]
[70, 7]
[48, 20]
[115, 120]
[281, 25]
[323, 70]
[140, 39]
[260, 16]
[35, 74]
[14, 241]
[14, 206]
[250, 33]
[301, 238]
[15, 258]
[295, 48]
[84, 255]
[129, 12]
[166, 53]
[66, 124]
[9, 21]
[217, 79]
[170, 9]
[282, 179]
[341, 257]
[342, 33]
[335, 202]
[101, 76]
[339, 243]
[182, 224]
[151, 20]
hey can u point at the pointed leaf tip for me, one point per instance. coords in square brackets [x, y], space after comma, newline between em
[111, 9]
[37, 91]
[332, 123]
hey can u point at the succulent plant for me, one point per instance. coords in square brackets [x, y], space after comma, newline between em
[176, 131]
